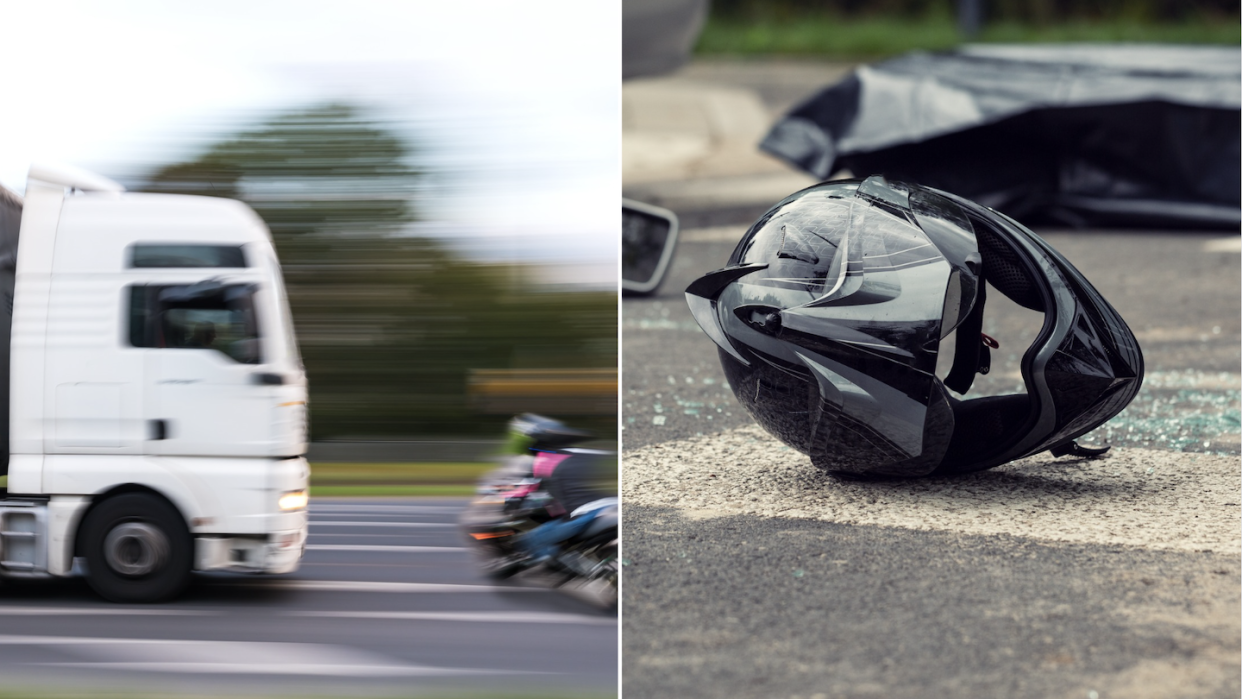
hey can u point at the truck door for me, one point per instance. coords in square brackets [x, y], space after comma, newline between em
[206, 392]
[94, 387]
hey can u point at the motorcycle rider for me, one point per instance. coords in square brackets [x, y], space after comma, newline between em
[571, 476]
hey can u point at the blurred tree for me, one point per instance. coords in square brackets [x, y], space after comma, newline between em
[390, 325]
[323, 170]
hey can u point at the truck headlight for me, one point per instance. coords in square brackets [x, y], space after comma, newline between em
[294, 500]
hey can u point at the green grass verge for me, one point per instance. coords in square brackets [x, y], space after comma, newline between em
[332, 479]
[395, 479]
[376, 479]
[333, 473]
[381, 490]
[874, 37]
[411, 479]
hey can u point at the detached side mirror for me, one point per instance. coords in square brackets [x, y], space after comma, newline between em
[648, 238]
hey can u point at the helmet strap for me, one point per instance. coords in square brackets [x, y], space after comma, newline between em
[971, 354]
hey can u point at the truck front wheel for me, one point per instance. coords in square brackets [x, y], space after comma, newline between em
[138, 549]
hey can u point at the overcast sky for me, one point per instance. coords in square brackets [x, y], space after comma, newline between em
[517, 104]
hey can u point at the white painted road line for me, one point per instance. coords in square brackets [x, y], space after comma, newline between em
[478, 617]
[397, 549]
[483, 617]
[359, 586]
[719, 234]
[231, 657]
[1133, 497]
[423, 525]
[311, 669]
[377, 516]
[102, 611]
[369, 536]
[1178, 380]
[1226, 245]
[416, 509]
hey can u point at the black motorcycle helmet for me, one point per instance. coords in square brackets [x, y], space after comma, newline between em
[831, 311]
[544, 433]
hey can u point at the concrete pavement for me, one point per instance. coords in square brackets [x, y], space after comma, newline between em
[689, 140]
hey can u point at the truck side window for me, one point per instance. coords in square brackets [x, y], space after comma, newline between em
[148, 255]
[207, 315]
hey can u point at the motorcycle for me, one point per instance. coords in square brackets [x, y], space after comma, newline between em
[512, 500]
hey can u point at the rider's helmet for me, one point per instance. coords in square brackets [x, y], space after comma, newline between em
[830, 315]
[531, 431]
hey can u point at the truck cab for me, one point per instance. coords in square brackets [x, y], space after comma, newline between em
[157, 400]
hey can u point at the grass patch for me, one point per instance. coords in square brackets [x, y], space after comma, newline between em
[395, 479]
[854, 38]
[334, 474]
[381, 490]
[330, 479]
[413, 479]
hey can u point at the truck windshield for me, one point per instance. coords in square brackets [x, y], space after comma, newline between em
[145, 255]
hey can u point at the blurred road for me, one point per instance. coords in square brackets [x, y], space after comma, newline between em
[749, 573]
[387, 602]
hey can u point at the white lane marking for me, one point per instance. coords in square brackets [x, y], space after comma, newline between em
[438, 525]
[378, 515]
[1134, 497]
[11, 640]
[1189, 379]
[402, 549]
[428, 509]
[484, 617]
[101, 611]
[234, 657]
[352, 536]
[1230, 244]
[314, 669]
[718, 234]
[359, 586]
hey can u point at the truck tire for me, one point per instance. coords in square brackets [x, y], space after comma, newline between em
[137, 548]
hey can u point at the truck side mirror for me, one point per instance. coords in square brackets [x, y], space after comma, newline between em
[648, 238]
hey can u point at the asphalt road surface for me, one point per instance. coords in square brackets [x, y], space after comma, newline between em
[748, 573]
[387, 602]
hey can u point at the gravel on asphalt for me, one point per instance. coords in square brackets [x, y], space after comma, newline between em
[1131, 496]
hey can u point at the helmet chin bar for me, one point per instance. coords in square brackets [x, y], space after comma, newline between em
[1083, 368]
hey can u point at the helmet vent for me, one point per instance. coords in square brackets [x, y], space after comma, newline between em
[765, 319]
[1005, 272]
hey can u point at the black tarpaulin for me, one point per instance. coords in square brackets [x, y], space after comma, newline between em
[1100, 135]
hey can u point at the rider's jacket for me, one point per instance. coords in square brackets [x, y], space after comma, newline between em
[570, 476]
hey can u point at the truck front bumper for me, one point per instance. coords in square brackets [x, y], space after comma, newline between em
[278, 552]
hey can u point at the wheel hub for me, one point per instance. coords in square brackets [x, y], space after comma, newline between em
[133, 549]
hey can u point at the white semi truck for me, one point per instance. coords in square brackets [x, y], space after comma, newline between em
[156, 413]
